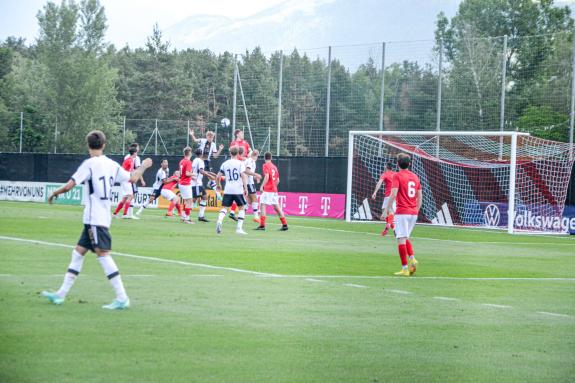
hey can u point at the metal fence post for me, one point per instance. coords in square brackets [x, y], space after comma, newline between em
[188, 134]
[382, 86]
[235, 92]
[279, 105]
[572, 110]
[503, 83]
[328, 101]
[124, 137]
[21, 129]
[156, 139]
[439, 83]
[56, 135]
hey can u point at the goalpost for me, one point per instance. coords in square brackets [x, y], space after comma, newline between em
[498, 180]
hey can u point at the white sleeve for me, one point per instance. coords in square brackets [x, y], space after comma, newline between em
[82, 173]
[121, 174]
[137, 162]
[242, 167]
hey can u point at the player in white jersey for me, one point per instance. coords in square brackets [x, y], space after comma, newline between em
[98, 174]
[161, 176]
[208, 147]
[137, 163]
[236, 186]
[198, 192]
[250, 163]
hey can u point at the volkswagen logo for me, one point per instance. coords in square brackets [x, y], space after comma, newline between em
[492, 215]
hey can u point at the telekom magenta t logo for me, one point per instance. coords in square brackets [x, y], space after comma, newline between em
[325, 205]
[302, 204]
[282, 201]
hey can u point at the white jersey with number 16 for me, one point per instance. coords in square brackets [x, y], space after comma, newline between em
[232, 170]
[99, 174]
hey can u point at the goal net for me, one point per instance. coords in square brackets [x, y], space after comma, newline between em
[495, 180]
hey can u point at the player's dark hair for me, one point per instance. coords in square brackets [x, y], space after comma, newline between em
[187, 151]
[389, 165]
[199, 152]
[134, 145]
[403, 160]
[234, 150]
[267, 156]
[236, 132]
[132, 150]
[96, 139]
[241, 150]
[163, 159]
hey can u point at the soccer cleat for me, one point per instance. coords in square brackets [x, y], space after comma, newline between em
[139, 212]
[53, 297]
[203, 219]
[385, 231]
[134, 217]
[219, 227]
[256, 220]
[117, 305]
[240, 231]
[402, 273]
[284, 228]
[169, 214]
[412, 265]
[115, 216]
[187, 221]
[262, 228]
[233, 216]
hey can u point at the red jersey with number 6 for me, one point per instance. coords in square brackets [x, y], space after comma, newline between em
[185, 166]
[272, 185]
[407, 184]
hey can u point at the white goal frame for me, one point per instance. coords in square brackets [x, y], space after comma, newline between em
[512, 162]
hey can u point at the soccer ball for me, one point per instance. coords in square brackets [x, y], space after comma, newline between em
[225, 122]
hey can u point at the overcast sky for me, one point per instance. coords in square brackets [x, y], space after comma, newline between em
[131, 21]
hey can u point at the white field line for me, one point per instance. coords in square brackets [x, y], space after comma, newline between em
[402, 292]
[354, 285]
[496, 306]
[554, 314]
[437, 239]
[315, 280]
[271, 275]
[446, 299]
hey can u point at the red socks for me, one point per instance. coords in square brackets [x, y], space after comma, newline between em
[234, 207]
[187, 211]
[126, 207]
[171, 207]
[408, 248]
[283, 219]
[389, 221]
[119, 207]
[179, 207]
[263, 221]
[403, 254]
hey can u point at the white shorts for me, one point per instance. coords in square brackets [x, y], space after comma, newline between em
[127, 189]
[404, 224]
[385, 201]
[186, 191]
[269, 198]
[168, 194]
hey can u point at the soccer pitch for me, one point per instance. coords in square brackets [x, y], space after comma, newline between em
[318, 303]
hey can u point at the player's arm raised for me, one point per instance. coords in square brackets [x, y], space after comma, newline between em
[191, 133]
[379, 183]
[139, 173]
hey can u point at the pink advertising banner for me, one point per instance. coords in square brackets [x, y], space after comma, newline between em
[311, 205]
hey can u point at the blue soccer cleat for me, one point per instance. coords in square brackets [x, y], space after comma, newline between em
[53, 297]
[117, 305]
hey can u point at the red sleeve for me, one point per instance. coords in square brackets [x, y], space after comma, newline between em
[127, 164]
[381, 177]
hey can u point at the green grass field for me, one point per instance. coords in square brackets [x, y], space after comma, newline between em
[318, 303]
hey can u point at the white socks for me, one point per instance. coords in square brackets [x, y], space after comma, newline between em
[202, 208]
[111, 271]
[241, 215]
[255, 209]
[73, 270]
[222, 215]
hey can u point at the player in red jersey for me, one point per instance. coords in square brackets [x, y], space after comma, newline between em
[244, 151]
[168, 193]
[185, 184]
[127, 188]
[269, 196]
[386, 179]
[406, 188]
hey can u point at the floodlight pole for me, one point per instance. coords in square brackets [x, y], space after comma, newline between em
[503, 82]
[279, 105]
[124, 136]
[156, 138]
[328, 101]
[235, 92]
